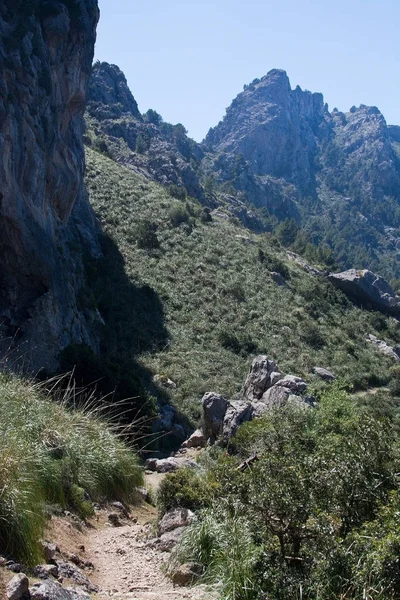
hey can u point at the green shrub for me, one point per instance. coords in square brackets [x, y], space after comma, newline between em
[146, 235]
[185, 489]
[177, 191]
[179, 215]
[225, 548]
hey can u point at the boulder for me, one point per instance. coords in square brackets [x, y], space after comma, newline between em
[295, 384]
[17, 587]
[236, 414]
[186, 574]
[324, 374]
[45, 571]
[274, 397]
[368, 288]
[259, 378]
[168, 465]
[383, 347]
[51, 590]
[165, 381]
[214, 410]
[168, 541]
[68, 570]
[49, 550]
[178, 517]
[196, 440]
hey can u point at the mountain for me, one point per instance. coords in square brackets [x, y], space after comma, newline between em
[159, 150]
[278, 157]
[46, 223]
[339, 173]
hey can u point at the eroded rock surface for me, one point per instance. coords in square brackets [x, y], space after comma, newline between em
[368, 288]
[46, 51]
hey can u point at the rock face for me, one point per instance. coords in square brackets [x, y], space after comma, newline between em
[145, 143]
[46, 51]
[336, 172]
[272, 127]
[265, 388]
[368, 288]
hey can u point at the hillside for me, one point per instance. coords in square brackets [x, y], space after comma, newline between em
[221, 301]
[279, 158]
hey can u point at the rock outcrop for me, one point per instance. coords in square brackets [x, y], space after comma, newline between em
[265, 388]
[145, 143]
[383, 347]
[368, 288]
[46, 51]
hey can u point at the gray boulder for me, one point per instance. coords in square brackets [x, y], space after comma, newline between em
[168, 465]
[273, 398]
[45, 571]
[49, 550]
[68, 570]
[367, 287]
[17, 587]
[214, 410]
[236, 414]
[259, 378]
[324, 374]
[383, 347]
[186, 574]
[293, 383]
[179, 517]
[168, 541]
[196, 440]
[51, 590]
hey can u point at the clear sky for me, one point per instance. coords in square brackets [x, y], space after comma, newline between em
[188, 59]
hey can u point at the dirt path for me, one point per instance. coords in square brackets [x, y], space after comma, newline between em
[127, 567]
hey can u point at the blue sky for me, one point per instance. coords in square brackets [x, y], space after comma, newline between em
[189, 59]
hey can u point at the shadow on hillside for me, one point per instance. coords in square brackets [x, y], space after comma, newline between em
[132, 323]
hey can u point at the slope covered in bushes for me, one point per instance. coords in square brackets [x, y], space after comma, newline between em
[220, 303]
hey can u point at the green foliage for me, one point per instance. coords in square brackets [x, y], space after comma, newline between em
[146, 235]
[177, 191]
[225, 548]
[316, 515]
[185, 489]
[142, 144]
[179, 215]
[53, 454]
[207, 282]
[152, 116]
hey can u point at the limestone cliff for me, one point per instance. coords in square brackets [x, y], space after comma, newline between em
[145, 143]
[46, 224]
[337, 174]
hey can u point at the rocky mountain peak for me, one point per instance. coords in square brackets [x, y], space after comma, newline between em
[272, 127]
[109, 92]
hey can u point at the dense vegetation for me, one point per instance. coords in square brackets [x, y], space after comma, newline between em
[54, 456]
[206, 301]
[316, 516]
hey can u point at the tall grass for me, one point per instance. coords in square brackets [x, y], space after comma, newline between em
[51, 453]
[223, 545]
